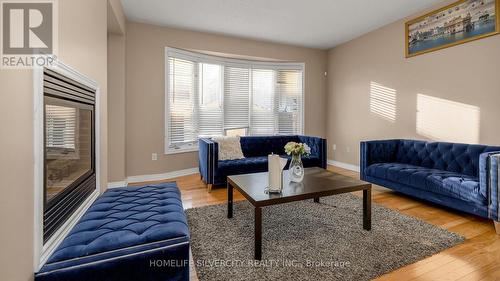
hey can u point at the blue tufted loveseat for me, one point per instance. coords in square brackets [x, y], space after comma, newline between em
[460, 176]
[255, 149]
[129, 233]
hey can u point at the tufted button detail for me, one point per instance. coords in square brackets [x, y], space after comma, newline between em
[124, 217]
[451, 157]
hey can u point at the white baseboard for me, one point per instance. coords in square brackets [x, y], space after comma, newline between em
[343, 165]
[153, 177]
[116, 184]
[164, 176]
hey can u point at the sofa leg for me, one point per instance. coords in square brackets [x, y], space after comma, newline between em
[497, 227]
[209, 186]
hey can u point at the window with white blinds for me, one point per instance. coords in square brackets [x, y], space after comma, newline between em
[181, 101]
[263, 108]
[289, 89]
[236, 97]
[60, 127]
[209, 95]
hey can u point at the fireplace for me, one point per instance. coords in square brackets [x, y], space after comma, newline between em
[69, 148]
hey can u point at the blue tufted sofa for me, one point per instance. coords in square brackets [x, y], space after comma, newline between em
[129, 233]
[460, 176]
[255, 149]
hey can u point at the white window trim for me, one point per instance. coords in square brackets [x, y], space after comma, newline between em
[42, 251]
[189, 55]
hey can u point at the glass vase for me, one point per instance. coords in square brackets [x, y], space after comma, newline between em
[296, 169]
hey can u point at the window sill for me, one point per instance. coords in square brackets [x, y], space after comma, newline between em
[181, 150]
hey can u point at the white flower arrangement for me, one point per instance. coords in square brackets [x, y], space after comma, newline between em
[295, 148]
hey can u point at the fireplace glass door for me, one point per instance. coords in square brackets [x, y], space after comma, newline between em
[68, 146]
[69, 149]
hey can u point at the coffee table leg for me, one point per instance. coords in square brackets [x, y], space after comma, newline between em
[367, 209]
[316, 200]
[258, 233]
[229, 200]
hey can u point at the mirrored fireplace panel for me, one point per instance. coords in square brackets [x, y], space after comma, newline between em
[68, 145]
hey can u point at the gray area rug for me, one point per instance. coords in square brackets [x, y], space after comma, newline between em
[308, 241]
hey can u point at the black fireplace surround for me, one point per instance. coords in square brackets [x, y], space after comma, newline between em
[69, 143]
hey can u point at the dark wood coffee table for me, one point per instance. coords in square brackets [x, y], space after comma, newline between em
[317, 183]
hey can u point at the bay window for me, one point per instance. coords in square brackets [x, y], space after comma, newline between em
[209, 95]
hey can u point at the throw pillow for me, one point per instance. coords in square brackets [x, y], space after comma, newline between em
[229, 148]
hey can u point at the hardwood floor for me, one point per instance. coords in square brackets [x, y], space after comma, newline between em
[478, 258]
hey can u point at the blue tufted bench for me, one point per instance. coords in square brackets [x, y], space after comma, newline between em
[460, 176]
[129, 233]
[255, 149]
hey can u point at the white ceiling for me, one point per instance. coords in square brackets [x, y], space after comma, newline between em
[309, 23]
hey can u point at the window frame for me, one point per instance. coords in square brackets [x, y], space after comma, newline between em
[223, 61]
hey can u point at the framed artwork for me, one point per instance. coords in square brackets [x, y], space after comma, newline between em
[457, 23]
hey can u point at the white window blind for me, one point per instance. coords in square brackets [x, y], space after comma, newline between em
[236, 97]
[289, 88]
[182, 100]
[209, 95]
[263, 115]
[211, 118]
[60, 126]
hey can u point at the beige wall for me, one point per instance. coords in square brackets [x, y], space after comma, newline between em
[116, 108]
[16, 170]
[145, 88]
[459, 85]
[82, 45]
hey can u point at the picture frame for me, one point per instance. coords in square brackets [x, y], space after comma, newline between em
[457, 23]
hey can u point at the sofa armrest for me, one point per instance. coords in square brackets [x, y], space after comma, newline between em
[489, 182]
[378, 151]
[208, 159]
[318, 148]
